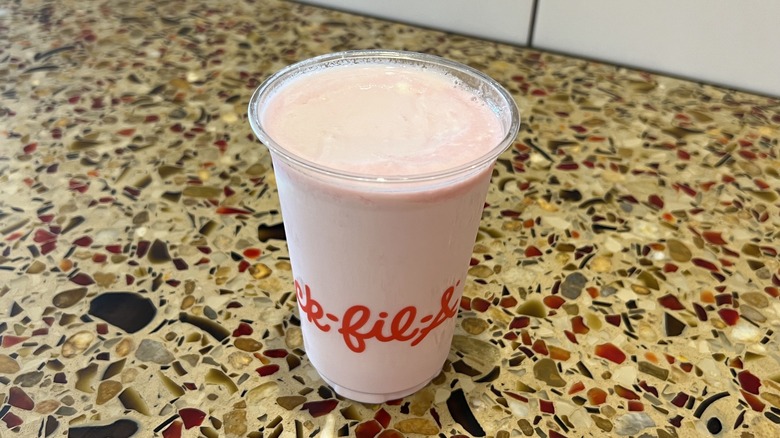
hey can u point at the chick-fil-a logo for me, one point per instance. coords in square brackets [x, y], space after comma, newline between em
[359, 324]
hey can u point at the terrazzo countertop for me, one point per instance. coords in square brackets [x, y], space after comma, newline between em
[625, 280]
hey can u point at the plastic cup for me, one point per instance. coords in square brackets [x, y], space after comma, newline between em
[380, 262]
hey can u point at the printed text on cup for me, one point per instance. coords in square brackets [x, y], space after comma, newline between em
[359, 324]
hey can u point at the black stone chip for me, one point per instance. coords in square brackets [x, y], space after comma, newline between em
[127, 310]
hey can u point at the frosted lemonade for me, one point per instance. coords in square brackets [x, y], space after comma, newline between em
[382, 161]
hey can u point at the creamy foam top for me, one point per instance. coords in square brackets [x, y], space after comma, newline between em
[381, 119]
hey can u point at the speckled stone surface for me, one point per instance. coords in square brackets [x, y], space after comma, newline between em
[625, 281]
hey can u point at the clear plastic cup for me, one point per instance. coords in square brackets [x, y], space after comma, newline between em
[380, 262]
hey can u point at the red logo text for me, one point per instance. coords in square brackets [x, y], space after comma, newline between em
[359, 324]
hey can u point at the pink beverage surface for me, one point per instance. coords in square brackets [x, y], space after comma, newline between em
[379, 275]
[381, 119]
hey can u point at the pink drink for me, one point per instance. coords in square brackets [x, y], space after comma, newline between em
[382, 162]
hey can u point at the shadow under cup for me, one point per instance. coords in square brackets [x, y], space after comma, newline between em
[379, 262]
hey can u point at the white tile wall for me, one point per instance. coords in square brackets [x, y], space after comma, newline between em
[727, 42]
[500, 20]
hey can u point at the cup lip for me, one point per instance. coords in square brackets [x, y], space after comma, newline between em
[266, 88]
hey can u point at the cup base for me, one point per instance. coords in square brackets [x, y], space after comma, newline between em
[372, 397]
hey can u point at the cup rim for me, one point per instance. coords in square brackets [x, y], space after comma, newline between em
[267, 87]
